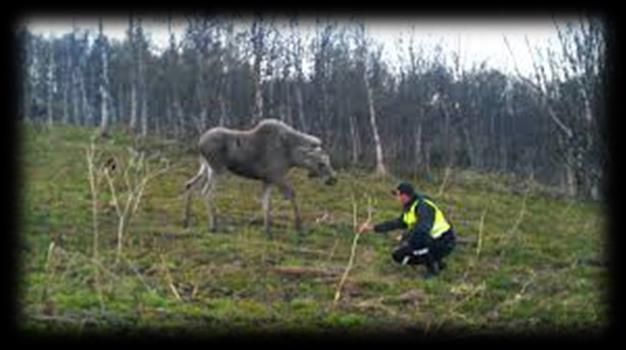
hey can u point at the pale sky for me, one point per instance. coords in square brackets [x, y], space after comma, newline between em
[478, 39]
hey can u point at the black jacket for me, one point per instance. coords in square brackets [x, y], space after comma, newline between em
[421, 229]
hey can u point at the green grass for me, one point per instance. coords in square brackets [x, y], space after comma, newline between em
[531, 279]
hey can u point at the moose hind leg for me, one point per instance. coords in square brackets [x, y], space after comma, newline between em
[207, 192]
[191, 186]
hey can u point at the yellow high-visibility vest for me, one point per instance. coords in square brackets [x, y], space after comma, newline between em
[440, 225]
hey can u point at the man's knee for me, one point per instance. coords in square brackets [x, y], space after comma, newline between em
[398, 256]
[409, 256]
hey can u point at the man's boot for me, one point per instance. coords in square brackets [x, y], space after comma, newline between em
[432, 269]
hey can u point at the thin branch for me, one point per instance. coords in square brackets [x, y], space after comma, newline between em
[139, 276]
[520, 216]
[352, 253]
[92, 183]
[113, 193]
[169, 279]
[445, 180]
[480, 233]
[537, 86]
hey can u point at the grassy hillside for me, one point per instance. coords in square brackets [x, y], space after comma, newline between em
[536, 265]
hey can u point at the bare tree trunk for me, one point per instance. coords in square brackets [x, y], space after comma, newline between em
[570, 180]
[418, 147]
[427, 147]
[272, 76]
[354, 136]
[257, 33]
[117, 105]
[85, 107]
[271, 103]
[50, 85]
[300, 106]
[223, 112]
[446, 138]
[471, 150]
[144, 109]
[503, 149]
[66, 116]
[26, 80]
[169, 116]
[133, 75]
[142, 85]
[362, 54]
[203, 118]
[133, 107]
[178, 111]
[380, 164]
[76, 117]
[296, 54]
[104, 85]
[288, 111]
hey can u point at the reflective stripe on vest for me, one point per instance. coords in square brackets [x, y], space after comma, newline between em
[440, 225]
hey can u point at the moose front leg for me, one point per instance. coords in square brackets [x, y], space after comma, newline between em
[186, 208]
[289, 194]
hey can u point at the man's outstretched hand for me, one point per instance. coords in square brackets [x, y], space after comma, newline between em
[365, 227]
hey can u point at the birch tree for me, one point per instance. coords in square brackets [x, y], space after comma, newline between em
[257, 36]
[362, 57]
[104, 83]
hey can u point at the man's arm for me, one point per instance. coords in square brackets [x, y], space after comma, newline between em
[390, 225]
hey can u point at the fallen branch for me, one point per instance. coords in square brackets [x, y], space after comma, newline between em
[299, 270]
[55, 318]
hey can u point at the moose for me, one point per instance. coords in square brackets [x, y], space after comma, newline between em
[266, 153]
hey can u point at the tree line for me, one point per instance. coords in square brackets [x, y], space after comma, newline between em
[424, 113]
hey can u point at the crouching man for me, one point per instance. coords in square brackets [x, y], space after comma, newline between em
[429, 236]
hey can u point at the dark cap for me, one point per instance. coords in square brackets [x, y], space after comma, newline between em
[404, 187]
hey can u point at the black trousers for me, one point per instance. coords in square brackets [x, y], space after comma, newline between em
[424, 249]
